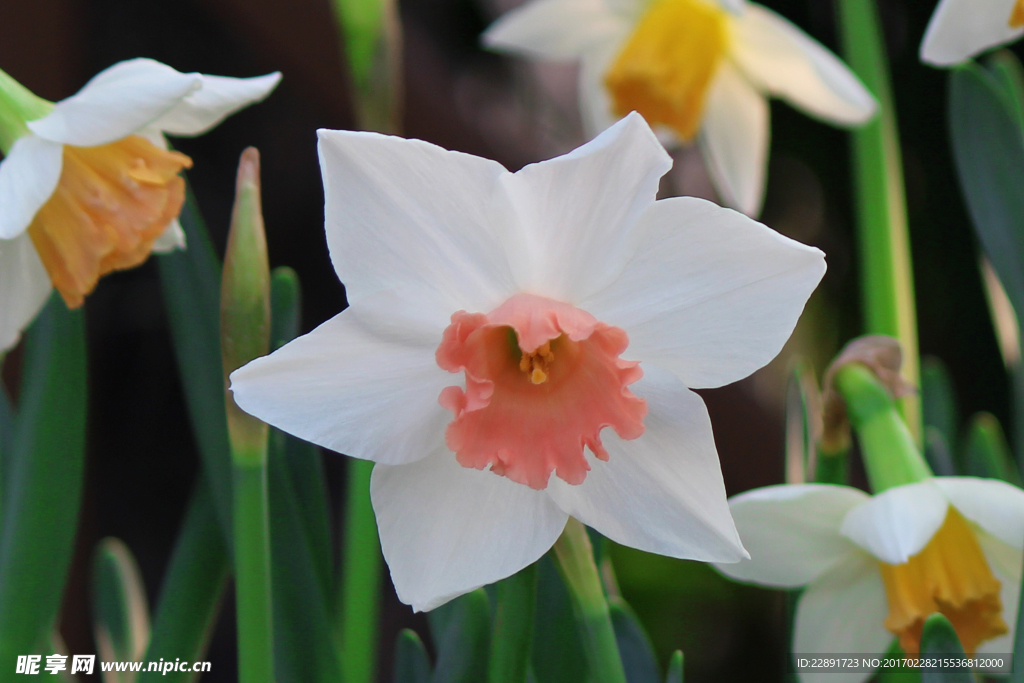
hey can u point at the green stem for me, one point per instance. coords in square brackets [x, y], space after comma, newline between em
[890, 454]
[887, 272]
[513, 628]
[576, 563]
[18, 106]
[359, 597]
[252, 573]
[191, 592]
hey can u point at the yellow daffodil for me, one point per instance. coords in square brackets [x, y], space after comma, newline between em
[695, 69]
[87, 185]
[876, 567]
[961, 29]
[499, 322]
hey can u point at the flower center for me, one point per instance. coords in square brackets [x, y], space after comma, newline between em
[950, 575]
[665, 68]
[110, 205]
[1017, 15]
[543, 378]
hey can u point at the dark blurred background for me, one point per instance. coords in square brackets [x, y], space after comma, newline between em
[142, 458]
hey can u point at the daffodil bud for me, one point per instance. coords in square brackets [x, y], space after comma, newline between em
[245, 303]
[862, 386]
[373, 42]
[18, 106]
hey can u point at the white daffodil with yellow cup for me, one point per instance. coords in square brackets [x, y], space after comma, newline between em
[87, 185]
[500, 322]
[697, 70]
[961, 29]
[876, 567]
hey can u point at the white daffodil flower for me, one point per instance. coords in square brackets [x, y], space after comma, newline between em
[88, 185]
[694, 69]
[876, 567]
[488, 311]
[961, 29]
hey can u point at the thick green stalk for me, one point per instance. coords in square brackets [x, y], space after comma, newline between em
[252, 575]
[359, 608]
[191, 592]
[887, 277]
[576, 564]
[890, 454]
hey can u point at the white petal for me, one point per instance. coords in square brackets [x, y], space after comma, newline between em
[446, 530]
[218, 98]
[960, 29]
[733, 139]
[595, 101]
[784, 61]
[791, 532]
[662, 492]
[116, 103]
[24, 288]
[843, 613]
[555, 29]
[405, 212]
[350, 390]
[578, 211]
[1006, 564]
[28, 176]
[897, 524]
[172, 238]
[710, 294]
[995, 506]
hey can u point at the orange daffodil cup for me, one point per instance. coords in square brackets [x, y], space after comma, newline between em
[87, 185]
[521, 347]
[695, 69]
[876, 567]
[961, 29]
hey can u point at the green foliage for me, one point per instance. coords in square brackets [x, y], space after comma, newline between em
[675, 668]
[191, 593]
[938, 399]
[190, 280]
[512, 633]
[462, 634]
[411, 662]
[634, 645]
[938, 454]
[939, 639]
[989, 152]
[119, 610]
[557, 649]
[43, 488]
[985, 452]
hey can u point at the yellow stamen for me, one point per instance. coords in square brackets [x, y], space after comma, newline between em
[950, 576]
[110, 205]
[536, 364]
[665, 68]
[1017, 15]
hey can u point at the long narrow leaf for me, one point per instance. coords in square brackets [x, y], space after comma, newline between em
[119, 610]
[45, 481]
[191, 593]
[462, 631]
[557, 648]
[190, 280]
[411, 662]
[512, 637]
[939, 641]
[634, 645]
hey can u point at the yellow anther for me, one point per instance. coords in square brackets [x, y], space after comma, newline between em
[536, 364]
